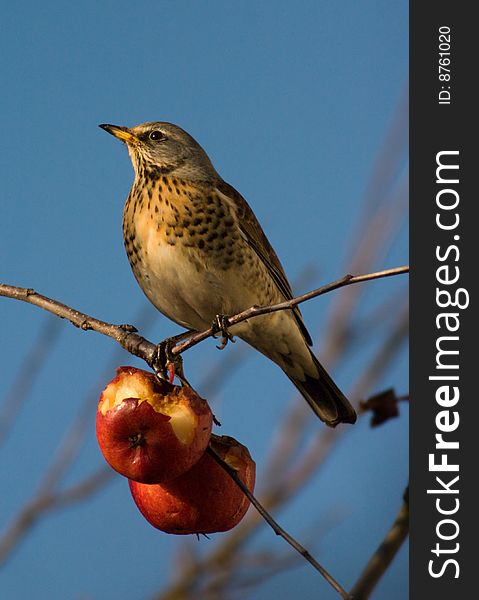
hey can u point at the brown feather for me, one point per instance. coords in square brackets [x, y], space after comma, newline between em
[256, 238]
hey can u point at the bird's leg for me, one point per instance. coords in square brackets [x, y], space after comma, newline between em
[220, 326]
[166, 364]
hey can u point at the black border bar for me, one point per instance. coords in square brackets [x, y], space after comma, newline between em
[444, 152]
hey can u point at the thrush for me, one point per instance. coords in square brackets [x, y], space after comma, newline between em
[198, 252]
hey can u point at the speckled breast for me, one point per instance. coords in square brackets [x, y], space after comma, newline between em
[187, 252]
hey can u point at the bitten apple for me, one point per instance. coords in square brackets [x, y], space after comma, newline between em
[205, 499]
[149, 430]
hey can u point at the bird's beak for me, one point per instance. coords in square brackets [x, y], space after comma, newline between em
[122, 133]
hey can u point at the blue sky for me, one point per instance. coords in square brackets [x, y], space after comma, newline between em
[292, 103]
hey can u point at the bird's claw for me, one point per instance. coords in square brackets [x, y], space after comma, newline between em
[220, 326]
[166, 364]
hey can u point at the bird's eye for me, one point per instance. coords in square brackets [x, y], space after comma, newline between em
[156, 136]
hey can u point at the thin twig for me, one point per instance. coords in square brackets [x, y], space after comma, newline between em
[256, 311]
[276, 527]
[216, 376]
[47, 501]
[280, 490]
[384, 555]
[35, 359]
[367, 247]
[373, 236]
[127, 337]
[48, 496]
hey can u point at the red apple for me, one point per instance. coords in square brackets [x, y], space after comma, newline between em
[204, 499]
[149, 430]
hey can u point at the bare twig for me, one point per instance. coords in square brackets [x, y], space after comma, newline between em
[279, 490]
[218, 374]
[256, 311]
[48, 501]
[276, 527]
[384, 207]
[48, 496]
[28, 371]
[384, 555]
[374, 233]
[127, 337]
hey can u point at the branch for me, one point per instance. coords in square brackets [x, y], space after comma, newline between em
[130, 340]
[280, 490]
[373, 234]
[32, 364]
[48, 497]
[384, 555]
[256, 311]
[44, 502]
[276, 527]
[127, 337]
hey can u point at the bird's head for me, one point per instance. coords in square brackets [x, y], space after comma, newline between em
[166, 149]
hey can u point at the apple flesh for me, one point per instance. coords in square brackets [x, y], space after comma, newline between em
[205, 499]
[149, 430]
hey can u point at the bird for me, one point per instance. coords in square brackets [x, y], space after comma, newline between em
[199, 253]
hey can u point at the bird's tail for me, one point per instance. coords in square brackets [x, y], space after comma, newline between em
[324, 397]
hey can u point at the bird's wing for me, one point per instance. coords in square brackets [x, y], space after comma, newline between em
[257, 240]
